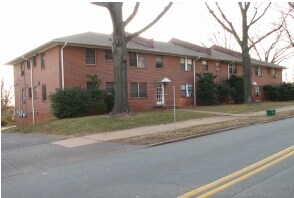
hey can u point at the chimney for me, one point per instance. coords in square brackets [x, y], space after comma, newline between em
[190, 46]
[227, 51]
[144, 41]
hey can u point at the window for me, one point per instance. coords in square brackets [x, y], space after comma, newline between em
[43, 61]
[90, 56]
[204, 65]
[35, 92]
[187, 90]
[28, 64]
[137, 60]
[44, 93]
[109, 87]
[159, 61]
[34, 61]
[274, 75]
[23, 96]
[91, 86]
[258, 90]
[108, 55]
[232, 69]
[30, 92]
[218, 67]
[186, 64]
[258, 71]
[138, 90]
[22, 69]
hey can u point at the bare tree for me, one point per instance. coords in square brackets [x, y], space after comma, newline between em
[278, 49]
[288, 17]
[119, 50]
[221, 38]
[243, 39]
[6, 108]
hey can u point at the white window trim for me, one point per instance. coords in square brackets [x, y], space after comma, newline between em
[259, 71]
[186, 63]
[187, 90]
[257, 90]
[229, 74]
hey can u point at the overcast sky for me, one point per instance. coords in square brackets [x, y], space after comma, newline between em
[28, 24]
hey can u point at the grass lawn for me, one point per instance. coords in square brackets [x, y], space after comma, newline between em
[104, 123]
[244, 108]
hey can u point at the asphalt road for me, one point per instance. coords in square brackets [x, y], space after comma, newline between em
[164, 171]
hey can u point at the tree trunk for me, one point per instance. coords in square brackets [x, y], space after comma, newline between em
[246, 60]
[119, 50]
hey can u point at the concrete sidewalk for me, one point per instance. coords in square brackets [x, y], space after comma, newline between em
[101, 137]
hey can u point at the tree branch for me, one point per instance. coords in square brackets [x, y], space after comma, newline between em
[130, 18]
[230, 29]
[264, 36]
[103, 4]
[129, 37]
[263, 13]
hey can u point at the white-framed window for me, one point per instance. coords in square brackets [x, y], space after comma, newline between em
[109, 87]
[23, 96]
[218, 67]
[138, 90]
[274, 74]
[186, 64]
[137, 60]
[258, 71]
[36, 92]
[44, 93]
[258, 90]
[187, 90]
[90, 56]
[22, 69]
[159, 61]
[43, 60]
[204, 65]
[232, 69]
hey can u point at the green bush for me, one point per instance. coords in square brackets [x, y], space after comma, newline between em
[231, 90]
[70, 103]
[236, 84]
[282, 92]
[207, 89]
[286, 91]
[99, 102]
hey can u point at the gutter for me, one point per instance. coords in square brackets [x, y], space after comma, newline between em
[194, 79]
[62, 66]
[32, 89]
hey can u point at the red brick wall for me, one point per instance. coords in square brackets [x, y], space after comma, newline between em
[76, 70]
[49, 76]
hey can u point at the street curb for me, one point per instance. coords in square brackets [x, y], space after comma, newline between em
[214, 132]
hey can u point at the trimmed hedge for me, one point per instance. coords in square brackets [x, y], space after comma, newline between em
[282, 92]
[77, 102]
[69, 103]
[207, 89]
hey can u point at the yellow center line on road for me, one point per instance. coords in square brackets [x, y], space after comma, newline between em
[241, 174]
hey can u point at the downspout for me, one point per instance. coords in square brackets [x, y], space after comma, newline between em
[62, 66]
[194, 79]
[32, 89]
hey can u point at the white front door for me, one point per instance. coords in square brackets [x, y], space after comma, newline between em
[160, 94]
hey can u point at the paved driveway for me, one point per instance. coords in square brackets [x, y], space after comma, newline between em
[22, 153]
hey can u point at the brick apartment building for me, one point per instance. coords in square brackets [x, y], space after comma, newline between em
[154, 68]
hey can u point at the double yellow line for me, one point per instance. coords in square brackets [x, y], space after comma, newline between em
[236, 177]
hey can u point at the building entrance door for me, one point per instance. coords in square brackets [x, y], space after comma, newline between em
[160, 94]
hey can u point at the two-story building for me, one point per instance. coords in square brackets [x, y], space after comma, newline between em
[154, 68]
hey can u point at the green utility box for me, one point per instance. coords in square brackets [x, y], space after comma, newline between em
[271, 112]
